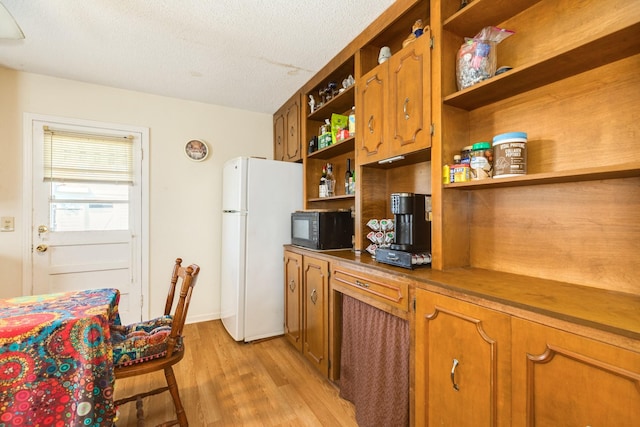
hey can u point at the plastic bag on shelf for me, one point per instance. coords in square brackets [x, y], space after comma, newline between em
[477, 57]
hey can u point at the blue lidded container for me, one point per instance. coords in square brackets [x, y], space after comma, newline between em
[510, 154]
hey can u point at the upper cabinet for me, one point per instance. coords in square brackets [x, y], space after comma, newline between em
[287, 144]
[395, 101]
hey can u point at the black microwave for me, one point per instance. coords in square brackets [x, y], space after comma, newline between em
[322, 230]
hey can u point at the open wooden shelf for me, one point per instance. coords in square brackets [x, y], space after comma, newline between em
[627, 170]
[338, 197]
[482, 13]
[341, 147]
[339, 104]
[582, 56]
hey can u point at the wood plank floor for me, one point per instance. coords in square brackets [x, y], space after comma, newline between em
[225, 383]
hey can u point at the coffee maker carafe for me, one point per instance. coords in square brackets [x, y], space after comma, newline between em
[412, 230]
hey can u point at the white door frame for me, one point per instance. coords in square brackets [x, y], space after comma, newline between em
[27, 199]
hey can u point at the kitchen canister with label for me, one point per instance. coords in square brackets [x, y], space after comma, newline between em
[481, 161]
[510, 154]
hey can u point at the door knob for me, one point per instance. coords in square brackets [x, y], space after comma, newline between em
[42, 248]
[42, 229]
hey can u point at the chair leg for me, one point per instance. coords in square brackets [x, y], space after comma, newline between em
[173, 389]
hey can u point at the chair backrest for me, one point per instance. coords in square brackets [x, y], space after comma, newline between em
[185, 279]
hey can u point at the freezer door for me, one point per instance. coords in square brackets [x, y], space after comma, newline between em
[232, 273]
[234, 184]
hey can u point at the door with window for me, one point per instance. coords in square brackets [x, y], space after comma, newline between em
[86, 229]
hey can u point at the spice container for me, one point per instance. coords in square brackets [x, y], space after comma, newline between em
[465, 154]
[510, 152]
[460, 173]
[481, 161]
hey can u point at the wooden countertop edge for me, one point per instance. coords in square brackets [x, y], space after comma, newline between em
[577, 325]
[607, 316]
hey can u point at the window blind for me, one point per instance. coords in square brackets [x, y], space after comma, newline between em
[78, 157]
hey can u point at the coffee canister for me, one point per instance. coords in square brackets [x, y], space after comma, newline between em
[510, 154]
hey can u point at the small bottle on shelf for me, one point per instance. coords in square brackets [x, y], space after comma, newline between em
[348, 179]
[352, 122]
[330, 181]
[353, 182]
[322, 188]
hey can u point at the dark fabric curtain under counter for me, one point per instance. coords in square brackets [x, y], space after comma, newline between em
[374, 368]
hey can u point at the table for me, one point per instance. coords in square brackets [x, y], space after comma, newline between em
[56, 361]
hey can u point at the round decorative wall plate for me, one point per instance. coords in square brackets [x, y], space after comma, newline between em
[196, 150]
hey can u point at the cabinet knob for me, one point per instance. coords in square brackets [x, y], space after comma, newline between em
[362, 284]
[314, 296]
[292, 285]
[453, 374]
[370, 124]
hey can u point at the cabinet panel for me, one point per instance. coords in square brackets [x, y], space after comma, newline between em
[293, 145]
[410, 92]
[316, 313]
[292, 299]
[370, 110]
[278, 136]
[462, 363]
[564, 379]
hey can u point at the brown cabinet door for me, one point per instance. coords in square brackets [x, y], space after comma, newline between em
[292, 141]
[564, 379]
[278, 136]
[316, 313]
[371, 115]
[410, 96]
[292, 301]
[462, 363]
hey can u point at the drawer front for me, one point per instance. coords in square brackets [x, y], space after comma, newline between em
[389, 291]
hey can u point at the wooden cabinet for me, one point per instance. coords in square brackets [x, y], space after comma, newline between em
[315, 313]
[293, 298]
[393, 105]
[565, 379]
[307, 307]
[286, 131]
[462, 363]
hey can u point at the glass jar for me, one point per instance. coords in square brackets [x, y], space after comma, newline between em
[481, 161]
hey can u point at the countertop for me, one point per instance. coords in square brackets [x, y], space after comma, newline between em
[609, 316]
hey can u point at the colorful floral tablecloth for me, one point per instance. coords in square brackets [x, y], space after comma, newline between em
[56, 361]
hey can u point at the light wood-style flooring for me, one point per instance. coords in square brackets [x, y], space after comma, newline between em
[225, 383]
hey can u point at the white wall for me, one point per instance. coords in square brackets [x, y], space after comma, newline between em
[175, 181]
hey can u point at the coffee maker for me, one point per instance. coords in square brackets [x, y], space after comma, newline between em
[412, 238]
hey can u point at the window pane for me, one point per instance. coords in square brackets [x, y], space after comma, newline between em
[89, 207]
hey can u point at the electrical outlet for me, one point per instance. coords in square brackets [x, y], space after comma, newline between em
[7, 223]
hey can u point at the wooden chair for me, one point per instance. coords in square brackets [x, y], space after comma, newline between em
[156, 344]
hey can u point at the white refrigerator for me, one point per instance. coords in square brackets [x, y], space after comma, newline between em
[258, 197]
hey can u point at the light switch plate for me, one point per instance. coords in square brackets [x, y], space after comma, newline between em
[7, 223]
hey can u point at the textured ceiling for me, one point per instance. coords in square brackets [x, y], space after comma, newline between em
[247, 54]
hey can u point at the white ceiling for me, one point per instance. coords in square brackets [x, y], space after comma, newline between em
[247, 54]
